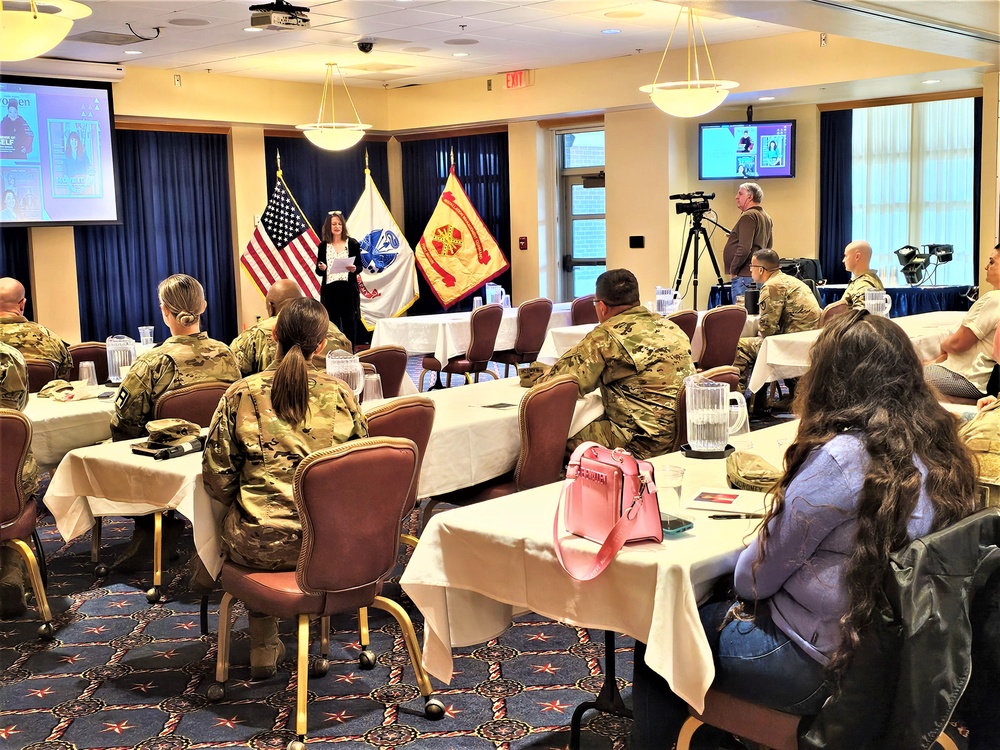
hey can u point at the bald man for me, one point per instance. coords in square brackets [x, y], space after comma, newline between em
[255, 348]
[34, 341]
[857, 260]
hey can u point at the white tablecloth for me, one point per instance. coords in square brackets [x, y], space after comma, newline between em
[477, 567]
[787, 355]
[447, 334]
[58, 427]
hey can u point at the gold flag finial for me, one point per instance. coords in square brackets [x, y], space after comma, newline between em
[279, 161]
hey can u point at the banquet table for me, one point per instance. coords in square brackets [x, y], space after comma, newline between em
[447, 335]
[58, 427]
[786, 355]
[477, 567]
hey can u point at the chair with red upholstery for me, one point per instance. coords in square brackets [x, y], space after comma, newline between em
[350, 539]
[544, 419]
[727, 374]
[686, 320]
[484, 322]
[582, 310]
[833, 311]
[18, 513]
[90, 351]
[532, 322]
[721, 328]
[40, 372]
[195, 403]
[390, 364]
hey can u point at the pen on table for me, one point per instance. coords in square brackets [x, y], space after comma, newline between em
[726, 516]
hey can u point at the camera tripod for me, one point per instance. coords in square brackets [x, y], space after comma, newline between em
[696, 234]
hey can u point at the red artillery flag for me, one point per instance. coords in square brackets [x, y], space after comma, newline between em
[457, 253]
[283, 245]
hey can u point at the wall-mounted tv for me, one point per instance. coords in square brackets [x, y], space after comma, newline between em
[751, 150]
[57, 155]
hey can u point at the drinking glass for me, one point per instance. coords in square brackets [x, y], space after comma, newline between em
[88, 373]
[477, 302]
[668, 483]
[146, 335]
[372, 388]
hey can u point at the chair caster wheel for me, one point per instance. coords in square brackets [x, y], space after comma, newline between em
[153, 595]
[46, 631]
[433, 709]
[366, 659]
[319, 667]
[101, 570]
[216, 692]
[296, 745]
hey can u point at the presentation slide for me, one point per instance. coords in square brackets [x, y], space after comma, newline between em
[746, 150]
[56, 158]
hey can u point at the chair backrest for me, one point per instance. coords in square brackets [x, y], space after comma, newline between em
[532, 320]
[814, 289]
[721, 328]
[195, 403]
[582, 310]
[686, 320]
[390, 363]
[351, 500]
[544, 418]
[411, 417]
[90, 351]
[40, 372]
[485, 324]
[832, 311]
[723, 374]
[15, 437]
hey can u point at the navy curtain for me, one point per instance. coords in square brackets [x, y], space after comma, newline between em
[15, 261]
[175, 219]
[482, 165]
[835, 195]
[977, 177]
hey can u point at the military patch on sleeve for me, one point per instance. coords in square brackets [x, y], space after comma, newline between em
[122, 398]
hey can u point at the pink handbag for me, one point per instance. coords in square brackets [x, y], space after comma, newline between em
[609, 498]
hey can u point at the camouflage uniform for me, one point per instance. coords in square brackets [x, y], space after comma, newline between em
[255, 349]
[177, 362]
[786, 306]
[14, 395]
[35, 341]
[854, 295]
[250, 459]
[639, 360]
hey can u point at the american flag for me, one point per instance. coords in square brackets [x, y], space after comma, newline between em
[283, 245]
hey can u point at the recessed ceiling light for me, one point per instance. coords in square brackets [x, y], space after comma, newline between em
[133, 52]
[459, 54]
[253, 28]
[765, 98]
[932, 80]
[611, 31]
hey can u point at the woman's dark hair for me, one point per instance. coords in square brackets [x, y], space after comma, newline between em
[300, 329]
[326, 234]
[865, 378]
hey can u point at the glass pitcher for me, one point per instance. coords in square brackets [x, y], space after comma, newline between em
[346, 367]
[121, 353]
[710, 420]
[878, 302]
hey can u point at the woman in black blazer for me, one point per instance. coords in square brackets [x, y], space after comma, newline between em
[339, 291]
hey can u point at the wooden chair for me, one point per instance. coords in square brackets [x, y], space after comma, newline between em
[196, 403]
[350, 539]
[485, 322]
[40, 372]
[721, 328]
[90, 351]
[833, 311]
[727, 374]
[532, 321]
[390, 364]
[18, 513]
[686, 320]
[582, 310]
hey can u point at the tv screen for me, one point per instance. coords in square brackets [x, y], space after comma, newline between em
[751, 150]
[57, 157]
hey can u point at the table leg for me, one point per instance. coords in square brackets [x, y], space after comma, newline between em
[609, 700]
[100, 569]
[153, 595]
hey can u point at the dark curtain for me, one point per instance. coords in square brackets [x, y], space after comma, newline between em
[835, 193]
[482, 166]
[175, 219]
[15, 261]
[977, 177]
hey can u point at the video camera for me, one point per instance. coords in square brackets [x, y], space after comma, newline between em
[697, 202]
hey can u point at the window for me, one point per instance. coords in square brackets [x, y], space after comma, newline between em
[912, 184]
[582, 223]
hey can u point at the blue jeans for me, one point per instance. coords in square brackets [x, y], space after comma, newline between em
[753, 660]
[740, 286]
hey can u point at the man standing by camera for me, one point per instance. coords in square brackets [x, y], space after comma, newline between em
[751, 233]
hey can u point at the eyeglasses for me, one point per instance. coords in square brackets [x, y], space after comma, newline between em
[596, 301]
[762, 268]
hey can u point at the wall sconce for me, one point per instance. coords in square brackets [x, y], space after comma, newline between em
[332, 135]
[27, 33]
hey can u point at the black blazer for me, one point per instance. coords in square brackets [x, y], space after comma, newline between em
[353, 250]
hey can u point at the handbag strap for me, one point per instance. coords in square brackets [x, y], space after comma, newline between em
[582, 570]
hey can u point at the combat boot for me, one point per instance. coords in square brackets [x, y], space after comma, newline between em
[266, 648]
[11, 584]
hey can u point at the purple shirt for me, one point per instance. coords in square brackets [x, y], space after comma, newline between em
[807, 553]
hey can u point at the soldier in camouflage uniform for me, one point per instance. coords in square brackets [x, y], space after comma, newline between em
[14, 395]
[857, 260]
[34, 341]
[187, 357]
[264, 426]
[639, 361]
[255, 347]
[786, 306]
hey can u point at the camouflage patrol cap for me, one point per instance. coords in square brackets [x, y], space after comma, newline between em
[53, 387]
[748, 471]
[172, 431]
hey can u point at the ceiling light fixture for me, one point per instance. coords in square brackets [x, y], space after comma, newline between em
[459, 54]
[132, 52]
[27, 33]
[611, 31]
[765, 98]
[693, 97]
[253, 29]
[334, 136]
[932, 80]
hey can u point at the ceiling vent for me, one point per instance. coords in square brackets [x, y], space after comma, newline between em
[104, 37]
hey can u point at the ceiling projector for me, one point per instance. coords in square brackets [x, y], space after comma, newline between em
[276, 19]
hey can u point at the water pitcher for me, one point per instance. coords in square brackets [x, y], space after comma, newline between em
[346, 367]
[121, 353]
[878, 302]
[710, 420]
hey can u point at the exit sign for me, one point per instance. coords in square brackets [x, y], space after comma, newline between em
[518, 79]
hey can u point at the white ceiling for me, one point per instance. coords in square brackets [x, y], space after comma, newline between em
[415, 40]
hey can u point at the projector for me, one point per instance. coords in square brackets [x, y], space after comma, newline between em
[277, 20]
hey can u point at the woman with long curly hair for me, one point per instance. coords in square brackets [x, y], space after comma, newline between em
[876, 463]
